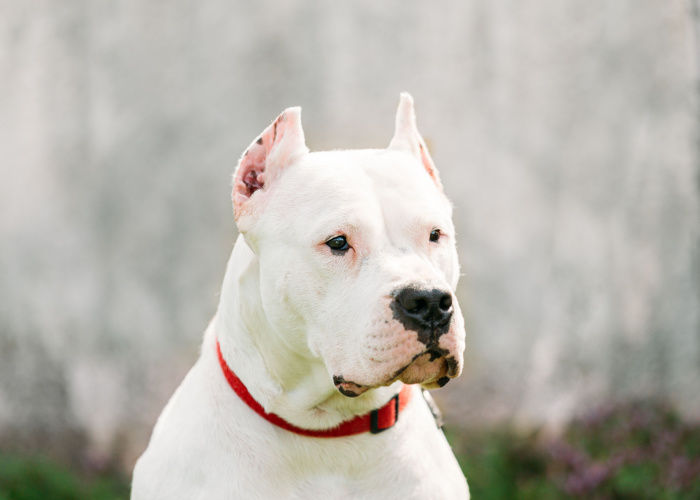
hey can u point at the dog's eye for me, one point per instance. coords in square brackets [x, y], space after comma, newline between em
[434, 235]
[338, 243]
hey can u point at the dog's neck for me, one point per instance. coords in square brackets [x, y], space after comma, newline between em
[285, 380]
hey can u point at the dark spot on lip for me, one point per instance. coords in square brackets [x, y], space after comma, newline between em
[451, 365]
[246, 153]
[435, 353]
[349, 394]
[339, 379]
[442, 382]
[274, 135]
[259, 141]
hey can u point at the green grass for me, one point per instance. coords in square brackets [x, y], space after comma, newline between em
[37, 478]
[635, 451]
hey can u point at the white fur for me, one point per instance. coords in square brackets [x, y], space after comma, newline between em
[293, 314]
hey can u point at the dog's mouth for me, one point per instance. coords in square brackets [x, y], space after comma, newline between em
[432, 368]
[348, 388]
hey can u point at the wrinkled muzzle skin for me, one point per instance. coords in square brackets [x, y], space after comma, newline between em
[357, 256]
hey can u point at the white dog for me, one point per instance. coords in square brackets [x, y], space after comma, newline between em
[338, 296]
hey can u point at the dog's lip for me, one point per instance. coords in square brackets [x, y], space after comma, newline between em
[435, 353]
[353, 389]
[449, 372]
[348, 387]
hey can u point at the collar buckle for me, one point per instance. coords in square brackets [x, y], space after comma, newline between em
[387, 416]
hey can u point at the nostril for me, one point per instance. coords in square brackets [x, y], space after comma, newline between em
[419, 306]
[446, 302]
[429, 305]
[413, 302]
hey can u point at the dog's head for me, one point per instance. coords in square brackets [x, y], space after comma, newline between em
[358, 265]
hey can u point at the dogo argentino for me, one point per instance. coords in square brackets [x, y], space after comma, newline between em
[337, 306]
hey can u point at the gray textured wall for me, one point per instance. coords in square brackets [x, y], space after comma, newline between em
[565, 133]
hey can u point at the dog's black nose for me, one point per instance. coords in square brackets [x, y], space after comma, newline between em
[423, 310]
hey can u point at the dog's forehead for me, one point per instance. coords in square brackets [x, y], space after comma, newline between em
[336, 190]
[378, 174]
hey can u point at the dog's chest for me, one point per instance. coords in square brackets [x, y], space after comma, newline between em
[410, 461]
[347, 472]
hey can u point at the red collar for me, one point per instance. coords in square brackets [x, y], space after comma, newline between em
[375, 421]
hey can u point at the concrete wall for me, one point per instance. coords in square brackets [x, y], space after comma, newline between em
[565, 133]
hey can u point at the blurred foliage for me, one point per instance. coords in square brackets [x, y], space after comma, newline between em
[639, 450]
[37, 478]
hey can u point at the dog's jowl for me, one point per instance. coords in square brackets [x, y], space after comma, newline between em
[337, 308]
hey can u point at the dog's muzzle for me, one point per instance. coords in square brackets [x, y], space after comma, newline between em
[428, 313]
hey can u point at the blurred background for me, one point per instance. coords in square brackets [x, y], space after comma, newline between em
[566, 134]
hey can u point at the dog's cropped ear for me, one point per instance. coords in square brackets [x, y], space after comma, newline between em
[407, 138]
[278, 146]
